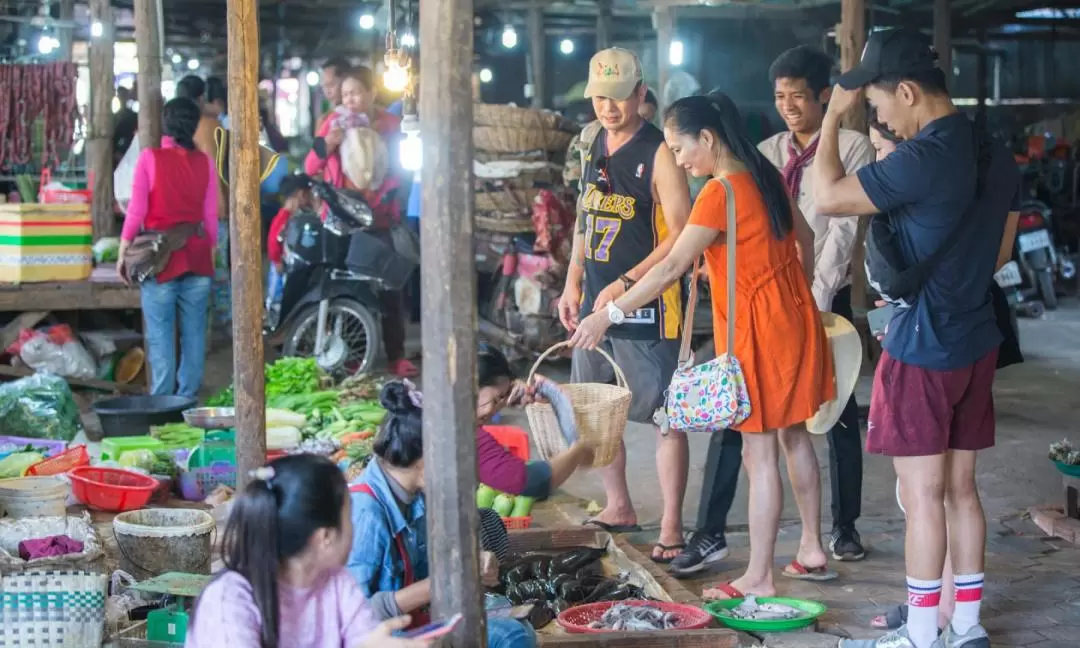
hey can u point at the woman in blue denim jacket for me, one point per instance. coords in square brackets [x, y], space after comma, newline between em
[389, 556]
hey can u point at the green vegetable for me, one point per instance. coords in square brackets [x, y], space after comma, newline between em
[143, 459]
[15, 464]
[224, 398]
[504, 504]
[522, 506]
[175, 436]
[39, 407]
[292, 376]
[485, 496]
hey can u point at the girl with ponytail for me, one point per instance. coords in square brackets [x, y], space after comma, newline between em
[779, 338]
[284, 583]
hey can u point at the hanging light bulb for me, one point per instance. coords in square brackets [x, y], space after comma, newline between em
[395, 78]
[408, 40]
[313, 78]
[367, 22]
[411, 151]
[486, 75]
[509, 37]
[96, 29]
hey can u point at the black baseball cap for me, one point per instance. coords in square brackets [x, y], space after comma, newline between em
[890, 53]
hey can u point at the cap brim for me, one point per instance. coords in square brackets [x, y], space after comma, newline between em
[855, 78]
[620, 91]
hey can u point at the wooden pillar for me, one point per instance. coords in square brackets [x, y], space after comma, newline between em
[67, 34]
[537, 55]
[448, 291]
[148, 51]
[664, 23]
[851, 36]
[245, 231]
[603, 24]
[99, 147]
[943, 38]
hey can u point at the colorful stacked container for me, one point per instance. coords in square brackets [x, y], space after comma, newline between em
[40, 242]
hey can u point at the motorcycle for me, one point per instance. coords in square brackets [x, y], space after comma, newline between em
[334, 269]
[1036, 255]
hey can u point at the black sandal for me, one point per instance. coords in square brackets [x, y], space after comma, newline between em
[663, 549]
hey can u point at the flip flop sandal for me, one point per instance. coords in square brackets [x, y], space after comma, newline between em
[728, 590]
[612, 528]
[798, 571]
[662, 559]
[891, 620]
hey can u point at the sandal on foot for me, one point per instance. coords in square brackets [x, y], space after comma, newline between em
[727, 589]
[612, 528]
[662, 559]
[891, 620]
[798, 571]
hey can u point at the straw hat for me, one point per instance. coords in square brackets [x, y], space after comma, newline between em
[847, 351]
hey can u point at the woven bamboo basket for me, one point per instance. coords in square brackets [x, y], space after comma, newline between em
[506, 199]
[504, 139]
[504, 222]
[600, 411]
[514, 117]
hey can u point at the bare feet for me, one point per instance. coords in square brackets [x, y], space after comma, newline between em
[743, 585]
[668, 547]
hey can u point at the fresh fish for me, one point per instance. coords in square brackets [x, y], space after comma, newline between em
[751, 610]
[635, 618]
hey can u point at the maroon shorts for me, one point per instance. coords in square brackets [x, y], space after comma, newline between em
[916, 412]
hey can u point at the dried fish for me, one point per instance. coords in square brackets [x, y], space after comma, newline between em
[635, 618]
[751, 610]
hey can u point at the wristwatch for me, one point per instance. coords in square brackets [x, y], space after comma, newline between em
[615, 314]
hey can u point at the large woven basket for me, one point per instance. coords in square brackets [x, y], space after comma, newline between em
[504, 115]
[504, 222]
[506, 199]
[505, 139]
[600, 411]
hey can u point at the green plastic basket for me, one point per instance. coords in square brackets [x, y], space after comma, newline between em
[719, 609]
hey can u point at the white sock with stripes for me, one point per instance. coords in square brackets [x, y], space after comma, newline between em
[968, 602]
[924, 598]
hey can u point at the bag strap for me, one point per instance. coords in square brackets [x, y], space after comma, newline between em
[691, 306]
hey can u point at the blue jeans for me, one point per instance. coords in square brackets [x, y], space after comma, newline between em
[510, 633]
[275, 283]
[186, 299]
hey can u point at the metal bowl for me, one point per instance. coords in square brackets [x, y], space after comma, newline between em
[211, 418]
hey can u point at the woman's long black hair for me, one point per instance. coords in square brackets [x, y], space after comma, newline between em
[274, 519]
[716, 112]
[180, 120]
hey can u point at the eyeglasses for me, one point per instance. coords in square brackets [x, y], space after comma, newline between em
[603, 181]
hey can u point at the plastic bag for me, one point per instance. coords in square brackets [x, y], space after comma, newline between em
[55, 350]
[16, 463]
[39, 407]
[124, 175]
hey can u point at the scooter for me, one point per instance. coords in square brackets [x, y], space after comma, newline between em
[334, 269]
[1035, 254]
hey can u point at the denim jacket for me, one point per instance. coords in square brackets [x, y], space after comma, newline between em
[374, 559]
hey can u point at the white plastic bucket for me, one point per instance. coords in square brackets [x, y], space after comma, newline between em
[34, 496]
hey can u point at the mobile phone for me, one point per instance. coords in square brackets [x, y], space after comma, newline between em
[434, 630]
[879, 319]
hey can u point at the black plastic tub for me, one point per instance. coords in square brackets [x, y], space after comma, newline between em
[133, 415]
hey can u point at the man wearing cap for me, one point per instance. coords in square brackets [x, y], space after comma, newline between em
[945, 195]
[634, 203]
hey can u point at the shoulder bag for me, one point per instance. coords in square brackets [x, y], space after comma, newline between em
[712, 396]
[150, 251]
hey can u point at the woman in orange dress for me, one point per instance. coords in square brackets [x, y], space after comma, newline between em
[779, 338]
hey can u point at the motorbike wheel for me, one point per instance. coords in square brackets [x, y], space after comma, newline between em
[359, 331]
[1046, 289]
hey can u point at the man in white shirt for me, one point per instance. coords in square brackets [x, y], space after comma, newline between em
[801, 89]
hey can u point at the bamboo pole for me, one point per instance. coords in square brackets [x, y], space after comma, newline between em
[245, 229]
[448, 291]
[851, 36]
[148, 52]
[99, 146]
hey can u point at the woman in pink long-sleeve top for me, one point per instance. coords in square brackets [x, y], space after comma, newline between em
[175, 185]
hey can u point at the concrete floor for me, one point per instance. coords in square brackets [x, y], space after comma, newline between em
[1033, 582]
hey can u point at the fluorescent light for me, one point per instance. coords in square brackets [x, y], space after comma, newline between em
[675, 53]
[395, 78]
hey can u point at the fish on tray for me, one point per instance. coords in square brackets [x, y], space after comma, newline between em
[751, 610]
[635, 618]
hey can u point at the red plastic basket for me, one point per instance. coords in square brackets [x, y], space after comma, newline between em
[61, 463]
[512, 438]
[111, 489]
[512, 523]
[576, 620]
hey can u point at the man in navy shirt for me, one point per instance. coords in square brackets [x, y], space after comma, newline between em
[931, 406]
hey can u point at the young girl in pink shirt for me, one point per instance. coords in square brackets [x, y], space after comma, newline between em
[285, 584]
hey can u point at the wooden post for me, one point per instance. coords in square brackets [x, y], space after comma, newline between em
[448, 289]
[943, 38]
[537, 54]
[99, 147]
[664, 24]
[603, 24]
[245, 230]
[851, 36]
[148, 51]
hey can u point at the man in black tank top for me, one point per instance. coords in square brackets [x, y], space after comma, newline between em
[635, 201]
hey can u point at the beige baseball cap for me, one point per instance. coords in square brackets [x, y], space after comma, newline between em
[613, 73]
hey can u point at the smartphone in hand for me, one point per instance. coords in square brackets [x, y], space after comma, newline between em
[879, 319]
[433, 630]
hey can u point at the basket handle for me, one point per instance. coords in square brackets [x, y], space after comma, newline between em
[620, 377]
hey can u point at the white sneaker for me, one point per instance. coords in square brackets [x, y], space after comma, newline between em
[975, 637]
[896, 639]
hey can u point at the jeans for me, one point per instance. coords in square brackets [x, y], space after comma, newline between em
[275, 283]
[222, 281]
[186, 299]
[845, 461]
[509, 633]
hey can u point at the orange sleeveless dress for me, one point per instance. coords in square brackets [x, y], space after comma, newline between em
[779, 338]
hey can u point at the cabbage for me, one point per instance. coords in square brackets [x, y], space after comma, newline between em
[143, 459]
[16, 463]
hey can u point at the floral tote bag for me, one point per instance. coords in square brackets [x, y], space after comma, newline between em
[712, 396]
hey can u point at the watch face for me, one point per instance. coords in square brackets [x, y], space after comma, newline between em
[614, 314]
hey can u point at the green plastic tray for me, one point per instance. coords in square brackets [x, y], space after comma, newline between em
[813, 610]
[1066, 469]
